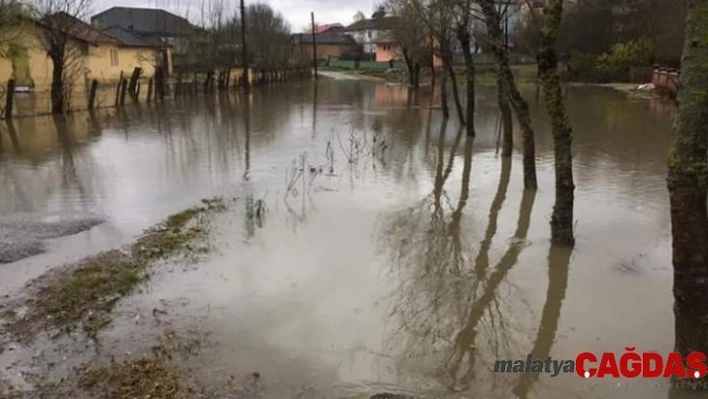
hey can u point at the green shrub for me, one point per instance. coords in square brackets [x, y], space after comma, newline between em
[613, 66]
[582, 67]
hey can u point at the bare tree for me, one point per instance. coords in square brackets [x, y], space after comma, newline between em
[359, 16]
[216, 41]
[61, 21]
[268, 34]
[438, 16]
[521, 108]
[562, 218]
[463, 28]
[412, 38]
[687, 189]
[12, 16]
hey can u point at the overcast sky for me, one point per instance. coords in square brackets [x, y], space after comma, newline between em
[296, 12]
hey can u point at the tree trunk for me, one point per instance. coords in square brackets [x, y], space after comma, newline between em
[443, 95]
[57, 90]
[416, 75]
[562, 218]
[463, 36]
[687, 188]
[447, 61]
[506, 119]
[410, 65]
[520, 105]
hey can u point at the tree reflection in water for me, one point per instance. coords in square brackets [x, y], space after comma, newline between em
[447, 309]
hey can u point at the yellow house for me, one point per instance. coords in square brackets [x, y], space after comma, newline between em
[131, 52]
[93, 54]
[24, 57]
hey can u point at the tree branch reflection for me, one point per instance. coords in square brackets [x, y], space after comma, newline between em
[558, 264]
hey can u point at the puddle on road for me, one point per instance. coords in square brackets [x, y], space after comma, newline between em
[395, 256]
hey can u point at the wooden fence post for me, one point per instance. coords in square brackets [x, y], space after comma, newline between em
[92, 94]
[133, 87]
[120, 83]
[9, 97]
[123, 91]
[149, 93]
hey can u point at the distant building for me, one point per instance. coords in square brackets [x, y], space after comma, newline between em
[336, 28]
[368, 32]
[388, 49]
[154, 26]
[329, 45]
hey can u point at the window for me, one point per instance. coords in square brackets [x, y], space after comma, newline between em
[114, 57]
[368, 33]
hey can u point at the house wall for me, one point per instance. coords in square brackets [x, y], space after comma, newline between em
[367, 39]
[93, 61]
[102, 66]
[388, 51]
[37, 64]
[324, 51]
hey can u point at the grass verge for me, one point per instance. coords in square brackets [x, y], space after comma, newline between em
[85, 293]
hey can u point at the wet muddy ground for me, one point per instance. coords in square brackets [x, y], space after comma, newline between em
[366, 247]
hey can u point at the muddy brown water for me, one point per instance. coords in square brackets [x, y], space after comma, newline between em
[410, 269]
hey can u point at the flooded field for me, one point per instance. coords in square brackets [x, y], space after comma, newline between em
[368, 247]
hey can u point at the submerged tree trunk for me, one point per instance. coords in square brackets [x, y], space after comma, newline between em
[520, 105]
[57, 90]
[413, 69]
[463, 36]
[416, 75]
[687, 188]
[443, 95]
[455, 89]
[506, 119]
[562, 218]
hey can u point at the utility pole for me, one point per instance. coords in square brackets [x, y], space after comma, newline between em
[244, 50]
[314, 42]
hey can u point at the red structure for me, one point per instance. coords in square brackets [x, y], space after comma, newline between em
[666, 80]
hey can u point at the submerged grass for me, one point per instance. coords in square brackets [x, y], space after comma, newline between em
[85, 293]
[148, 377]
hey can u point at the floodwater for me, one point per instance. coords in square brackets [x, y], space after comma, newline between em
[408, 259]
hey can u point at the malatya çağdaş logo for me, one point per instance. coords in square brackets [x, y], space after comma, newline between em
[609, 365]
